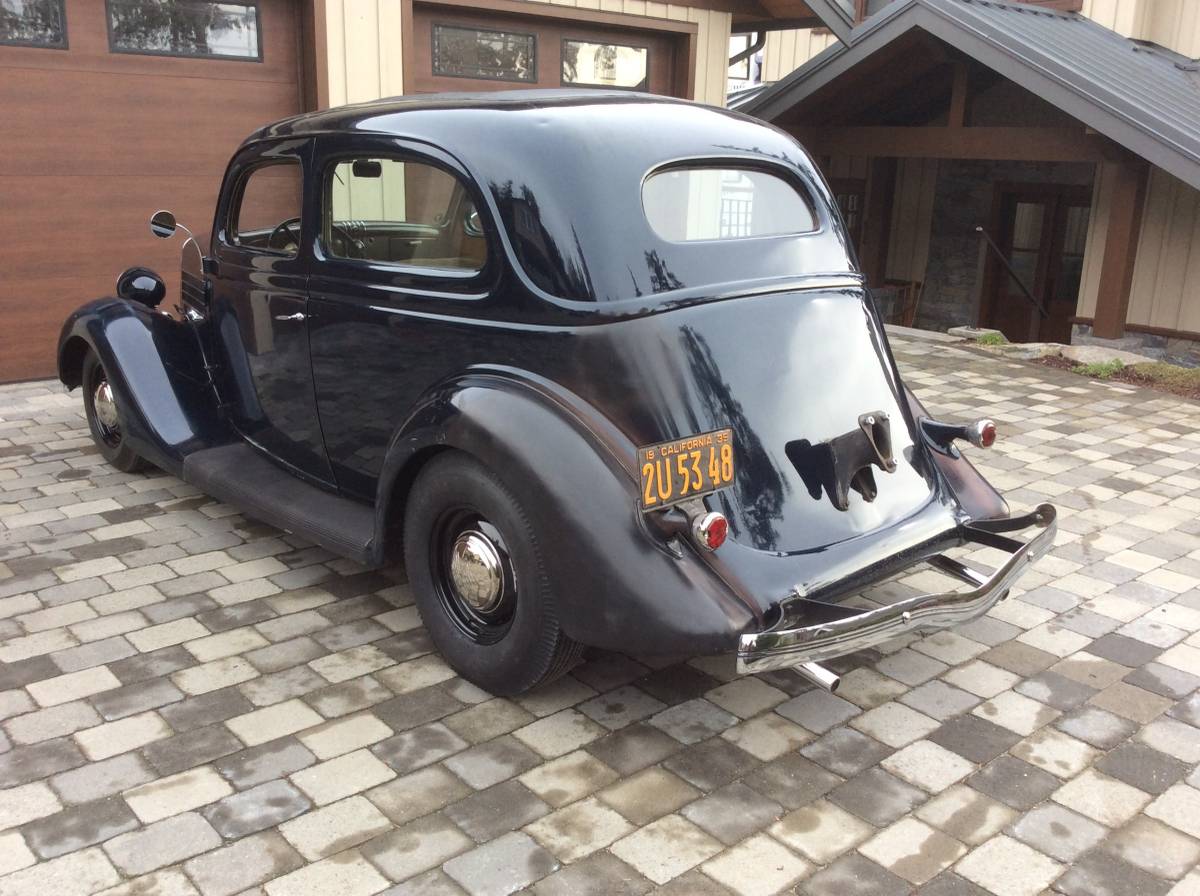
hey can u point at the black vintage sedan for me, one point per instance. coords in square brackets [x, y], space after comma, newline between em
[599, 368]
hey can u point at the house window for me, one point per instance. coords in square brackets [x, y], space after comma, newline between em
[481, 53]
[33, 23]
[185, 28]
[590, 64]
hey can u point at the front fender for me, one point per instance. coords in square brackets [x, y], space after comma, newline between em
[154, 367]
[573, 472]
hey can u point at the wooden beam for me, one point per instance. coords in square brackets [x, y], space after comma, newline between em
[1062, 144]
[1128, 199]
[314, 56]
[877, 219]
[958, 95]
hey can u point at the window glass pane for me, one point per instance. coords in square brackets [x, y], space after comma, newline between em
[402, 212]
[723, 203]
[35, 23]
[184, 28]
[1077, 227]
[268, 216]
[1027, 225]
[737, 44]
[604, 65]
[1025, 263]
[480, 53]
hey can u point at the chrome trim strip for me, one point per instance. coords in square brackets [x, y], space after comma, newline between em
[762, 651]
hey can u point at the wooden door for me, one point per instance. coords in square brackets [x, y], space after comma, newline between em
[1041, 231]
[460, 49]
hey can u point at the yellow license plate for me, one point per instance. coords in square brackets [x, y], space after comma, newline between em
[686, 468]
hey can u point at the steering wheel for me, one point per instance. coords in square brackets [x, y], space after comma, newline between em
[352, 248]
[285, 228]
[350, 245]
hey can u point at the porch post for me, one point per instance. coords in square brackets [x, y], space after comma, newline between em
[877, 220]
[1128, 197]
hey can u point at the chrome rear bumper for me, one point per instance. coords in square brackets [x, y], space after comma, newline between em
[856, 630]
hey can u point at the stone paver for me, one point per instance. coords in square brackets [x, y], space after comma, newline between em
[195, 704]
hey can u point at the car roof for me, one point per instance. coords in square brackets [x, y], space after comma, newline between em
[563, 170]
[374, 116]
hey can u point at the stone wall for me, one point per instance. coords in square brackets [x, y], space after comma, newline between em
[1172, 349]
[962, 200]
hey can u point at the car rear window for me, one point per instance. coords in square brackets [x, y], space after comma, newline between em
[724, 203]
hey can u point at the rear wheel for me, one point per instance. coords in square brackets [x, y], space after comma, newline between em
[104, 418]
[475, 566]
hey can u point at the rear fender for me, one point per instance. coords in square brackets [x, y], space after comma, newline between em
[156, 372]
[615, 587]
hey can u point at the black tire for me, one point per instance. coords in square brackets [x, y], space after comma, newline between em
[515, 646]
[109, 439]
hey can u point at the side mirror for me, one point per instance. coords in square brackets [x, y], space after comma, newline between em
[142, 285]
[163, 225]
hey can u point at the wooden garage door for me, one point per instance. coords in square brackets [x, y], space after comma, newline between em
[479, 49]
[93, 141]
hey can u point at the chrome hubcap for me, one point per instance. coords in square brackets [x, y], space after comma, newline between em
[476, 571]
[105, 406]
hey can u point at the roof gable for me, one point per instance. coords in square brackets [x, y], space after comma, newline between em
[1144, 98]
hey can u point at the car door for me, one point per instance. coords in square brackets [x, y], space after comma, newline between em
[260, 307]
[401, 262]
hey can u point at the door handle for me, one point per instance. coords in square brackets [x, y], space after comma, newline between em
[299, 315]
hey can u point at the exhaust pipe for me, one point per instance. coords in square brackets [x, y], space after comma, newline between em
[820, 676]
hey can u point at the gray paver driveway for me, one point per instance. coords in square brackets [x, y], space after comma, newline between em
[194, 702]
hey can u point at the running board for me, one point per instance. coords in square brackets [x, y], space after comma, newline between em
[239, 475]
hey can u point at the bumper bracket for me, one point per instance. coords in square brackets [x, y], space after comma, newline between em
[835, 631]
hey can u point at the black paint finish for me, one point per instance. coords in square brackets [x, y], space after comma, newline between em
[583, 337]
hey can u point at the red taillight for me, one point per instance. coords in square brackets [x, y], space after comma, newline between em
[987, 436]
[710, 530]
[982, 433]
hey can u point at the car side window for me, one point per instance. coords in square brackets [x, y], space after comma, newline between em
[267, 218]
[402, 212]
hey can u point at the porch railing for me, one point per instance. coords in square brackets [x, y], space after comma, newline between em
[1012, 272]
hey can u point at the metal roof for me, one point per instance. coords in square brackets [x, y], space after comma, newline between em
[1141, 96]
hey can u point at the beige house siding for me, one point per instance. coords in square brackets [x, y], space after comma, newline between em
[1093, 255]
[364, 49]
[1173, 23]
[1127, 17]
[786, 51]
[1166, 277]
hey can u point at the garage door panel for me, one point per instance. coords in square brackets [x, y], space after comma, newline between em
[57, 224]
[87, 34]
[94, 142]
[125, 124]
[33, 312]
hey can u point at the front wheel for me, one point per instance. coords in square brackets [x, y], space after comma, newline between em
[104, 418]
[475, 566]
